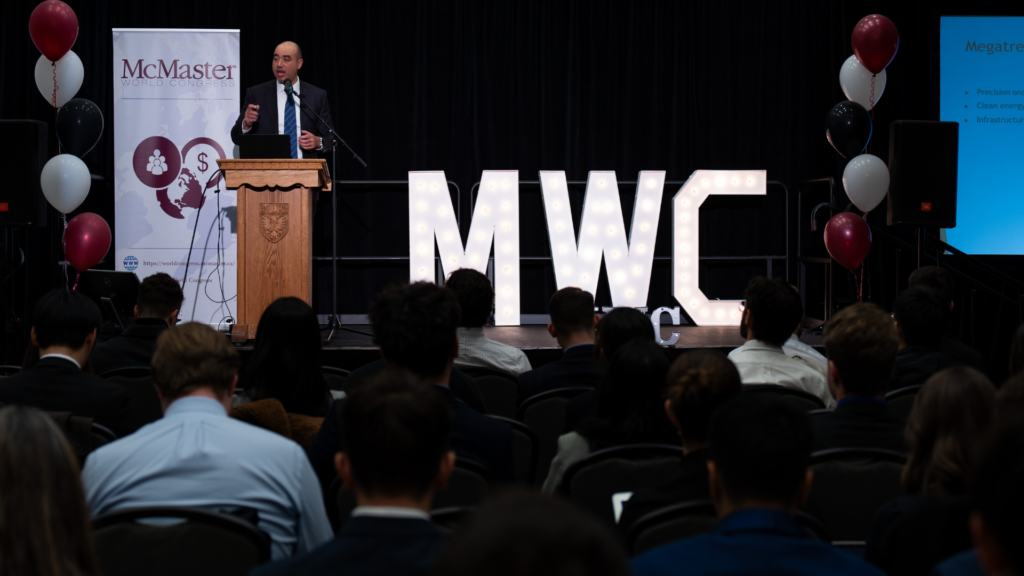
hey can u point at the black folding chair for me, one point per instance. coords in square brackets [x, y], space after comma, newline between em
[448, 519]
[143, 402]
[850, 485]
[525, 447]
[200, 543]
[499, 389]
[82, 433]
[336, 378]
[901, 401]
[544, 413]
[592, 482]
[802, 400]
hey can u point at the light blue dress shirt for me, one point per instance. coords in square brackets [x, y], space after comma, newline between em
[197, 456]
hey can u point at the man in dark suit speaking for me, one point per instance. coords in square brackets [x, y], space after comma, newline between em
[268, 110]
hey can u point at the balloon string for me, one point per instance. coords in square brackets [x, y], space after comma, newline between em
[871, 101]
[54, 102]
[77, 276]
[64, 249]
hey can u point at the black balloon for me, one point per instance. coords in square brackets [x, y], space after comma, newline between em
[848, 128]
[79, 126]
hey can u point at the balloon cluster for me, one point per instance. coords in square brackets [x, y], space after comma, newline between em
[65, 179]
[848, 128]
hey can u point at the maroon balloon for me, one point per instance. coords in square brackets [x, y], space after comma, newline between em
[53, 27]
[86, 240]
[848, 239]
[875, 41]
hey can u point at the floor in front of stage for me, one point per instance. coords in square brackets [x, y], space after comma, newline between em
[353, 346]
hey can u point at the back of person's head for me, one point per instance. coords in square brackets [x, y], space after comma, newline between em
[999, 505]
[772, 310]
[618, 327]
[159, 296]
[44, 519]
[1017, 352]
[475, 295]
[192, 356]
[1008, 406]
[951, 417]
[861, 342]
[921, 314]
[527, 534]
[394, 433]
[572, 311]
[630, 406]
[285, 362]
[414, 326]
[761, 449]
[936, 278]
[699, 383]
[64, 318]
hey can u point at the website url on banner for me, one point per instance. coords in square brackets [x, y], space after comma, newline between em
[990, 120]
[180, 263]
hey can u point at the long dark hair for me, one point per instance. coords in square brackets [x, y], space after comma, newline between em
[285, 362]
[44, 520]
[631, 400]
[617, 327]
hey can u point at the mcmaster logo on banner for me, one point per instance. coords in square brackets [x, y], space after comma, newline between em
[143, 73]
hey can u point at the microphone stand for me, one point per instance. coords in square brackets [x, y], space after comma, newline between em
[334, 323]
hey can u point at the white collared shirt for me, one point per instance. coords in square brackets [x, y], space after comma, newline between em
[390, 512]
[761, 363]
[63, 356]
[282, 100]
[478, 351]
[796, 349]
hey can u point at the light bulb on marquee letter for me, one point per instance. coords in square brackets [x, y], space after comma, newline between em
[685, 251]
[579, 264]
[435, 218]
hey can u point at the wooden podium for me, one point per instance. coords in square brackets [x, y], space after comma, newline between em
[275, 232]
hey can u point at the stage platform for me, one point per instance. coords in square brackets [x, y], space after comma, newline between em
[353, 346]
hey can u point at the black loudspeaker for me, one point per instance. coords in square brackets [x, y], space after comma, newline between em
[922, 173]
[22, 156]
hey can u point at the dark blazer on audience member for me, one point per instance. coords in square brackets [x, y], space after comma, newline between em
[915, 364]
[474, 436]
[859, 423]
[57, 385]
[912, 534]
[134, 347]
[580, 408]
[689, 482]
[463, 386]
[963, 353]
[575, 368]
[367, 545]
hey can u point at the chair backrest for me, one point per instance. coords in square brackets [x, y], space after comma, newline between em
[593, 481]
[143, 402]
[499, 389]
[448, 519]
[544, 413]
[850, 485]
[669, 524]
[82, 433]
[802, 400]
[201, 543]
[525, 448]
[128, 372]
[901, 401]
[467, 487]
[337, 378]
[9, 370]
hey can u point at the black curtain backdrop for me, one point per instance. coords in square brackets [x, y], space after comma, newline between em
[577, 85]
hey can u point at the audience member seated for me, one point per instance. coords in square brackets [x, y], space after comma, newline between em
[998, 506]
[526, 534]
[771, 311]
[285, 362]
[414, 326]
[573, 324]
[64, 330]
[805, 353]
[394, 440]
[921, 316]
[759, 477]
[159, 302]
[699, 382]
[630, 409]
[616, 328]
[941, 280]
[476, 299]
[197, 456]
[44, 516]
[861, 342]
[949, 423]
[1008, 407]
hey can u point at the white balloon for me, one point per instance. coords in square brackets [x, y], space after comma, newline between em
[65, 181]
[856, 82]
[866, 180]
[70, 74]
